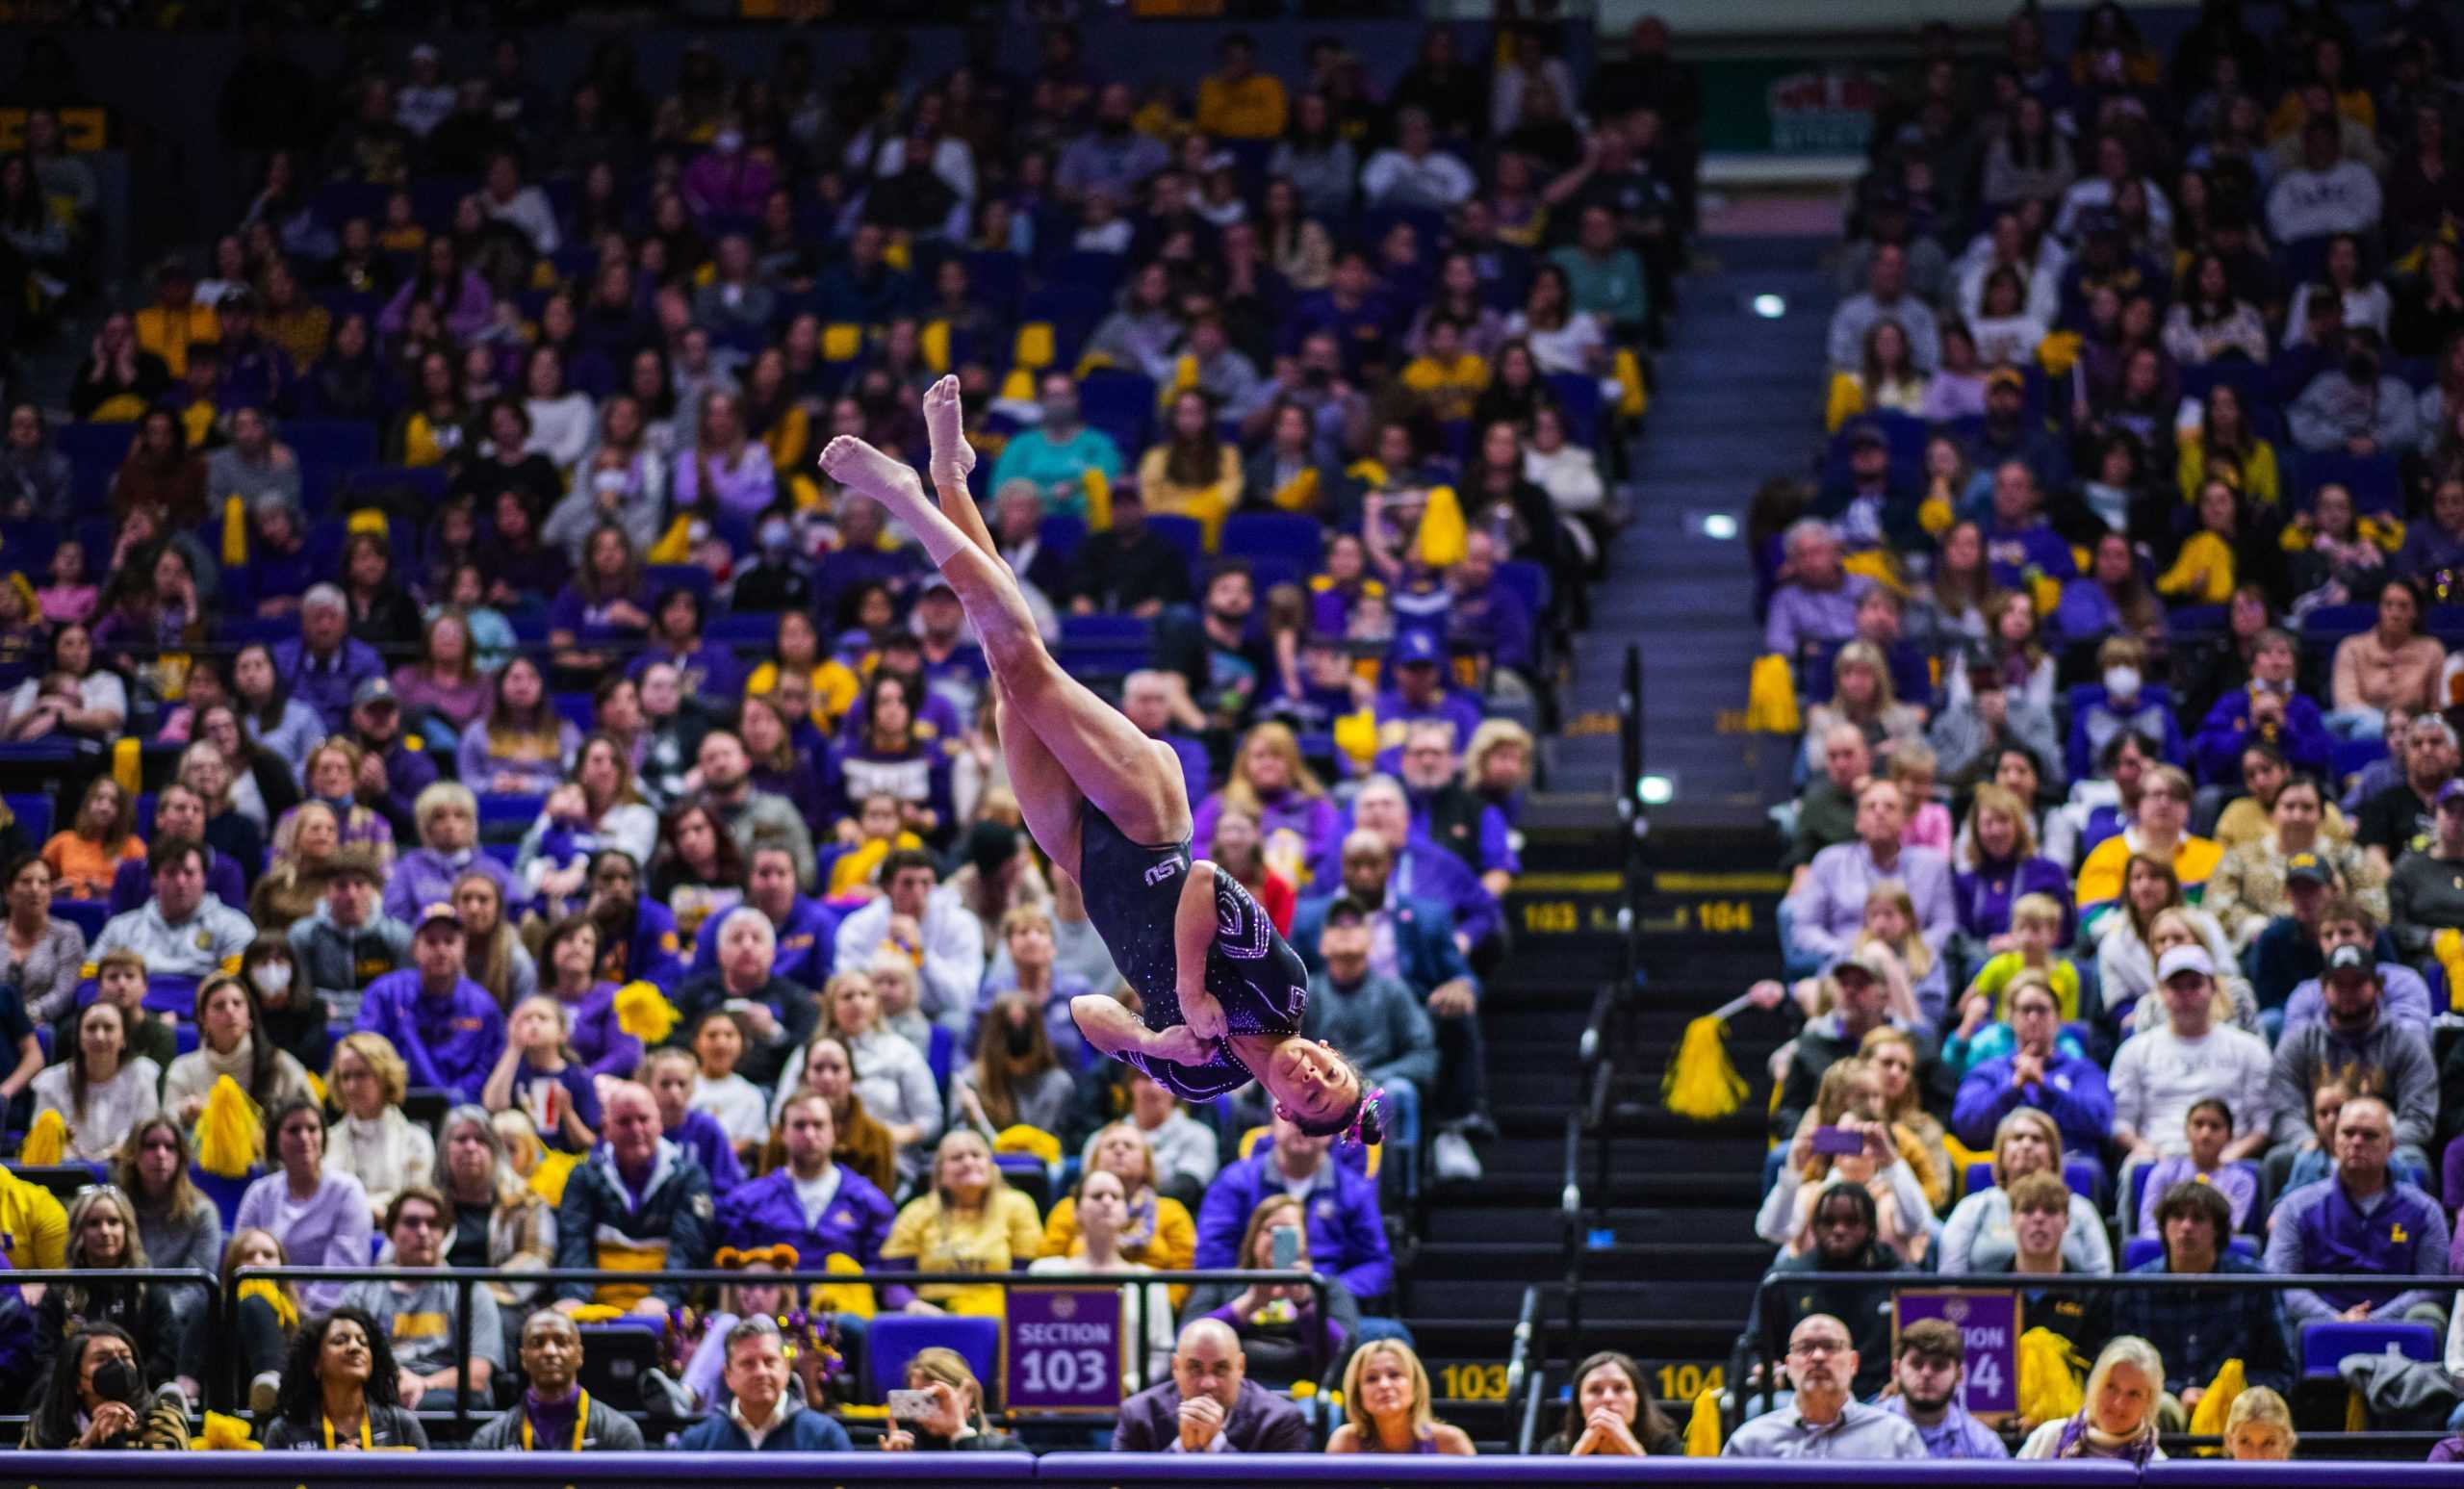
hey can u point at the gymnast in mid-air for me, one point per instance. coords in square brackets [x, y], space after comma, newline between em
[1221, 992]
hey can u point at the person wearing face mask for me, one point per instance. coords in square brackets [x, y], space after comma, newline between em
[728, 180]
[1058, 455]
[778, 578]
[2126, 704]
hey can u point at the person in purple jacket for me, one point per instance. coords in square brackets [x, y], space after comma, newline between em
[1270, 781]
[446, 1027]
[448, 817]
[1346, 1235]
[704, 668]
[669, 1073]
[2020, 544]
[807, 929]
[2038, 1074]
[569, 973]
[819, 1207]
[1419, 692]
[2269, 710]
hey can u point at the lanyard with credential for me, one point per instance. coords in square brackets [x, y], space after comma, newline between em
[581, 1415]
[367, 1443]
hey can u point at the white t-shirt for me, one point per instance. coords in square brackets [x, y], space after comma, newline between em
[2159, 1075]
[738, 1105]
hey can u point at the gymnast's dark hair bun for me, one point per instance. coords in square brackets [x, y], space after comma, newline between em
[1373, 1130]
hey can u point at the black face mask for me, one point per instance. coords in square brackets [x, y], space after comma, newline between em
[1021, 1040]
[2362, 370]
[117, 1381]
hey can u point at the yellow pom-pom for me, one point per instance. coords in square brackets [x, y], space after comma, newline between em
[1703, 1428]
[224, 1434]
[643, 1012]
[1033, 1141]
[229, 1132]
[1700, 1081]
[46, 1140]
[2208, 1416]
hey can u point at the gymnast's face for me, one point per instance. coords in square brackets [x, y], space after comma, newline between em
[1310, 1082]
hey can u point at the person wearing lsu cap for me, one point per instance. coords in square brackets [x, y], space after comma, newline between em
[446, 1027]
[1860, 995]
[2159, 1075]
[1421, 691]
[2358, 1042]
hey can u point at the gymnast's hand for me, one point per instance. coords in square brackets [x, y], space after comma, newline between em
[1203, 1015]
[1182, 1046]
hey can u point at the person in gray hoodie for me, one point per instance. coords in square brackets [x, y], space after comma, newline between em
[1376, 1022]
[2354, 1040]
[349, 942]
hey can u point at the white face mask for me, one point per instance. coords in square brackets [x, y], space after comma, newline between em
[2122, 683]
[610, 482]
[271, 977]
[729, 140]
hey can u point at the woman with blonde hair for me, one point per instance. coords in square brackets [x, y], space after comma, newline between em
[955, 1423]
[1861, 698]
[1159, 1230]
[1890, 921]
[2117, 1418]
[969, 1219]
[1386, 1406]
[293, 889]
[1977, 1237]
[1299, 822]
[2258, 1429]
[374, 1142]
[103, 1239]
[1496, 766]
[897, 1084]
[1995, 862]
[1850, 1101]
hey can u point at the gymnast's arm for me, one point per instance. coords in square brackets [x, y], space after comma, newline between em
[1193, 928]
[1111, 1028]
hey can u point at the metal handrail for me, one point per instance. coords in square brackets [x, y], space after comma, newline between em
[465, 1278]
[1520, 1367]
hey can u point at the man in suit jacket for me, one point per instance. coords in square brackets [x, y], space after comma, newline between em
[1210, 1404]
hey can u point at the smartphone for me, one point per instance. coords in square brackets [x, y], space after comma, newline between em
[1287, 1247]
[909, 1405]
[1837, 1141]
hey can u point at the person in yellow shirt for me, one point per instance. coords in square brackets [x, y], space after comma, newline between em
[1446, 378]
[2203, 571]
[34, 1227]
[1195, 471]
[969, 1220]
[1237, 101]
[2161, 832]
[877, 833]
[174, 322]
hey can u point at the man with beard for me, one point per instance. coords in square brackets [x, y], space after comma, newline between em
[1226, 666]
[1929, 1374]
[756, 818]
[1824, 1420]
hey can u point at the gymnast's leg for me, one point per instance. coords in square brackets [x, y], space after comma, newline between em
[1132, 780]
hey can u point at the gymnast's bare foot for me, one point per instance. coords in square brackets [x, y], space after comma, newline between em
[945, 419]
[851, 462]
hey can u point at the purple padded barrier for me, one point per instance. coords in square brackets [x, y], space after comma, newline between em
[1160, 1469]
[2215, 1473]
[596, 1469]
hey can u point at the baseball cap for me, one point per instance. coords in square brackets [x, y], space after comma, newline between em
[2451, 793]
[1865, 960]
[440, 910]
[1415, 647]
[935, 585]
[1868, 434]
[2348, 958]
[2005, 376]
[376, 690]
[2185, 959]
[2306, 867]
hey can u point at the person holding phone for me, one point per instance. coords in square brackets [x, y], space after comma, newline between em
[96, 1398]
[1848, 1140]
[941, 1410]
[1275, 1322]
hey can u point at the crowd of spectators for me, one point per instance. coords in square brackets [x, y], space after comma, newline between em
[2123, 931]
[462, 751]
